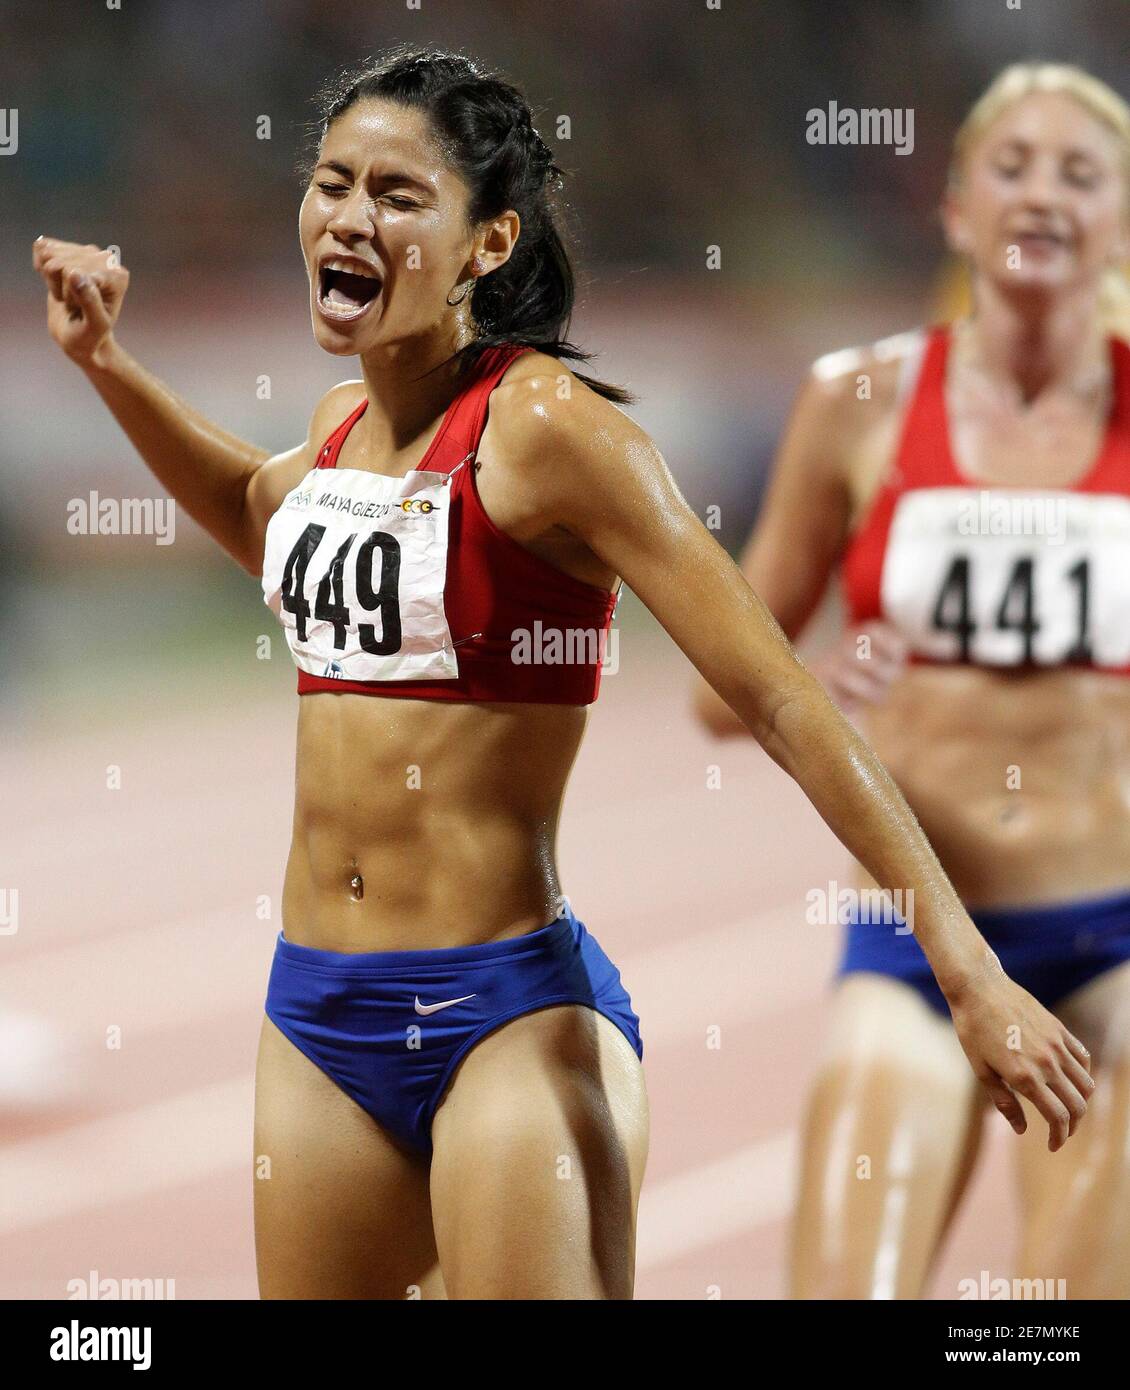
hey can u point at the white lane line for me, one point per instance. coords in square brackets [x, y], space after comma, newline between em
[196, 1134]
[714, 1202]
[732, 973]
[216, 962]
[208, 1133]
[151, 978]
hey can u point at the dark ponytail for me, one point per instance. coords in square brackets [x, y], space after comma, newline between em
[486, 131]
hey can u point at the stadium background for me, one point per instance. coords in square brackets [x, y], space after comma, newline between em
[130, 994]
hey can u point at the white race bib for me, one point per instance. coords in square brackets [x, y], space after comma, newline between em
[1001, 576]
[354, 567]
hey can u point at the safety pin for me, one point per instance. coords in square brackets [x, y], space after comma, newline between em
[457, 467]
[466, 639]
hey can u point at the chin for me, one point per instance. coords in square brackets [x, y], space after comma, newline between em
[332, 343]
[1036, 285]
[337, 342]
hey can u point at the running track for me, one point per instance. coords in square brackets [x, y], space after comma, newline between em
[138, 912]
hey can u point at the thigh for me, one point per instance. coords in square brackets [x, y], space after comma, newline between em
[1076, 1203]
[340, 1210]
[890, 1139]
[539, 1151]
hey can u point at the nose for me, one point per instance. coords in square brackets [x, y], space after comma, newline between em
[352, 217]
[1041, 187]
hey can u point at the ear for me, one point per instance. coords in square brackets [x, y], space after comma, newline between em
[498, 240]
[959, 238]
[1120, 251]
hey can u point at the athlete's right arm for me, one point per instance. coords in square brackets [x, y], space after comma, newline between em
[802, 526]
[228, 485]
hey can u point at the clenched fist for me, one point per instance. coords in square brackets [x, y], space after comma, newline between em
[85, 290]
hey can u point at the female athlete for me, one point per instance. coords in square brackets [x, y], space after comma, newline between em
[449, 1095]
[973, 485]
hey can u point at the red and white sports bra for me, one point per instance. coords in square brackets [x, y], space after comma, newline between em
[405, 587]
[997, 575]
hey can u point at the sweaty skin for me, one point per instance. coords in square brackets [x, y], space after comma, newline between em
[445, 813]
[951, 735]
[579, 483]
[430, 824]
[1064, 832]
[1027, 400]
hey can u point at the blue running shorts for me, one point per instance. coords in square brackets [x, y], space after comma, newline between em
[390, 1027]
[1048, 950]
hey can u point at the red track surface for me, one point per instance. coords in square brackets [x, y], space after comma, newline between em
[138, 912]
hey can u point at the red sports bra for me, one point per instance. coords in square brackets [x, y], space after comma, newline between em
[405, 587]
[997, 575]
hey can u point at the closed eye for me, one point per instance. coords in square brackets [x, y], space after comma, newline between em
[336, 190]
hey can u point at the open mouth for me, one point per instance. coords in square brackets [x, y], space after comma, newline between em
[1040, 240]
[345, 293]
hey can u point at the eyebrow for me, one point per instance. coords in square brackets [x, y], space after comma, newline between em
[393, 176]
[1017, 144]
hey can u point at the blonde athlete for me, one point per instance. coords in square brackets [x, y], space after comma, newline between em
[976, 501]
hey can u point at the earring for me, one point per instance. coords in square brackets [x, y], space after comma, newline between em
[477, 269]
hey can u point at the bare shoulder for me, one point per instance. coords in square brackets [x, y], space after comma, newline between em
[336, 405]
[838, 382]
[542, 415]
[273, 477]
[846, 419]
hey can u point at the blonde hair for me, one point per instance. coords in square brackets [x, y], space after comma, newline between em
[954, 294]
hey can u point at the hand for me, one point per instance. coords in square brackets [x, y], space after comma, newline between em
[85, 290]
[1017, 1048]
[863, 665]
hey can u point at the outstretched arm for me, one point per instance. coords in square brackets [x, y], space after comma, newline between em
[602, 478]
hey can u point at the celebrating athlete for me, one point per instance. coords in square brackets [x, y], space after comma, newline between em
[449, 1088]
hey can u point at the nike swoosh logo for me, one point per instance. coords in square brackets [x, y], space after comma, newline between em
[445, 1004]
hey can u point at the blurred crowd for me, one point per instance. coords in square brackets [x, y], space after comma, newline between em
[139, 125]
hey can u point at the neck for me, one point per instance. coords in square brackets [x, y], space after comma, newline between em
[1029, 345]
[409, 383]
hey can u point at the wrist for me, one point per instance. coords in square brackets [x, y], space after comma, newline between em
[964, 980]
[106, 358]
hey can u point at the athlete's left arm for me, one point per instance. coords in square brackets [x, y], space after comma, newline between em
[602, 478]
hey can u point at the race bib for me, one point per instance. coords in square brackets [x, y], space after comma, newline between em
[1003, 577]
[354, 568]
